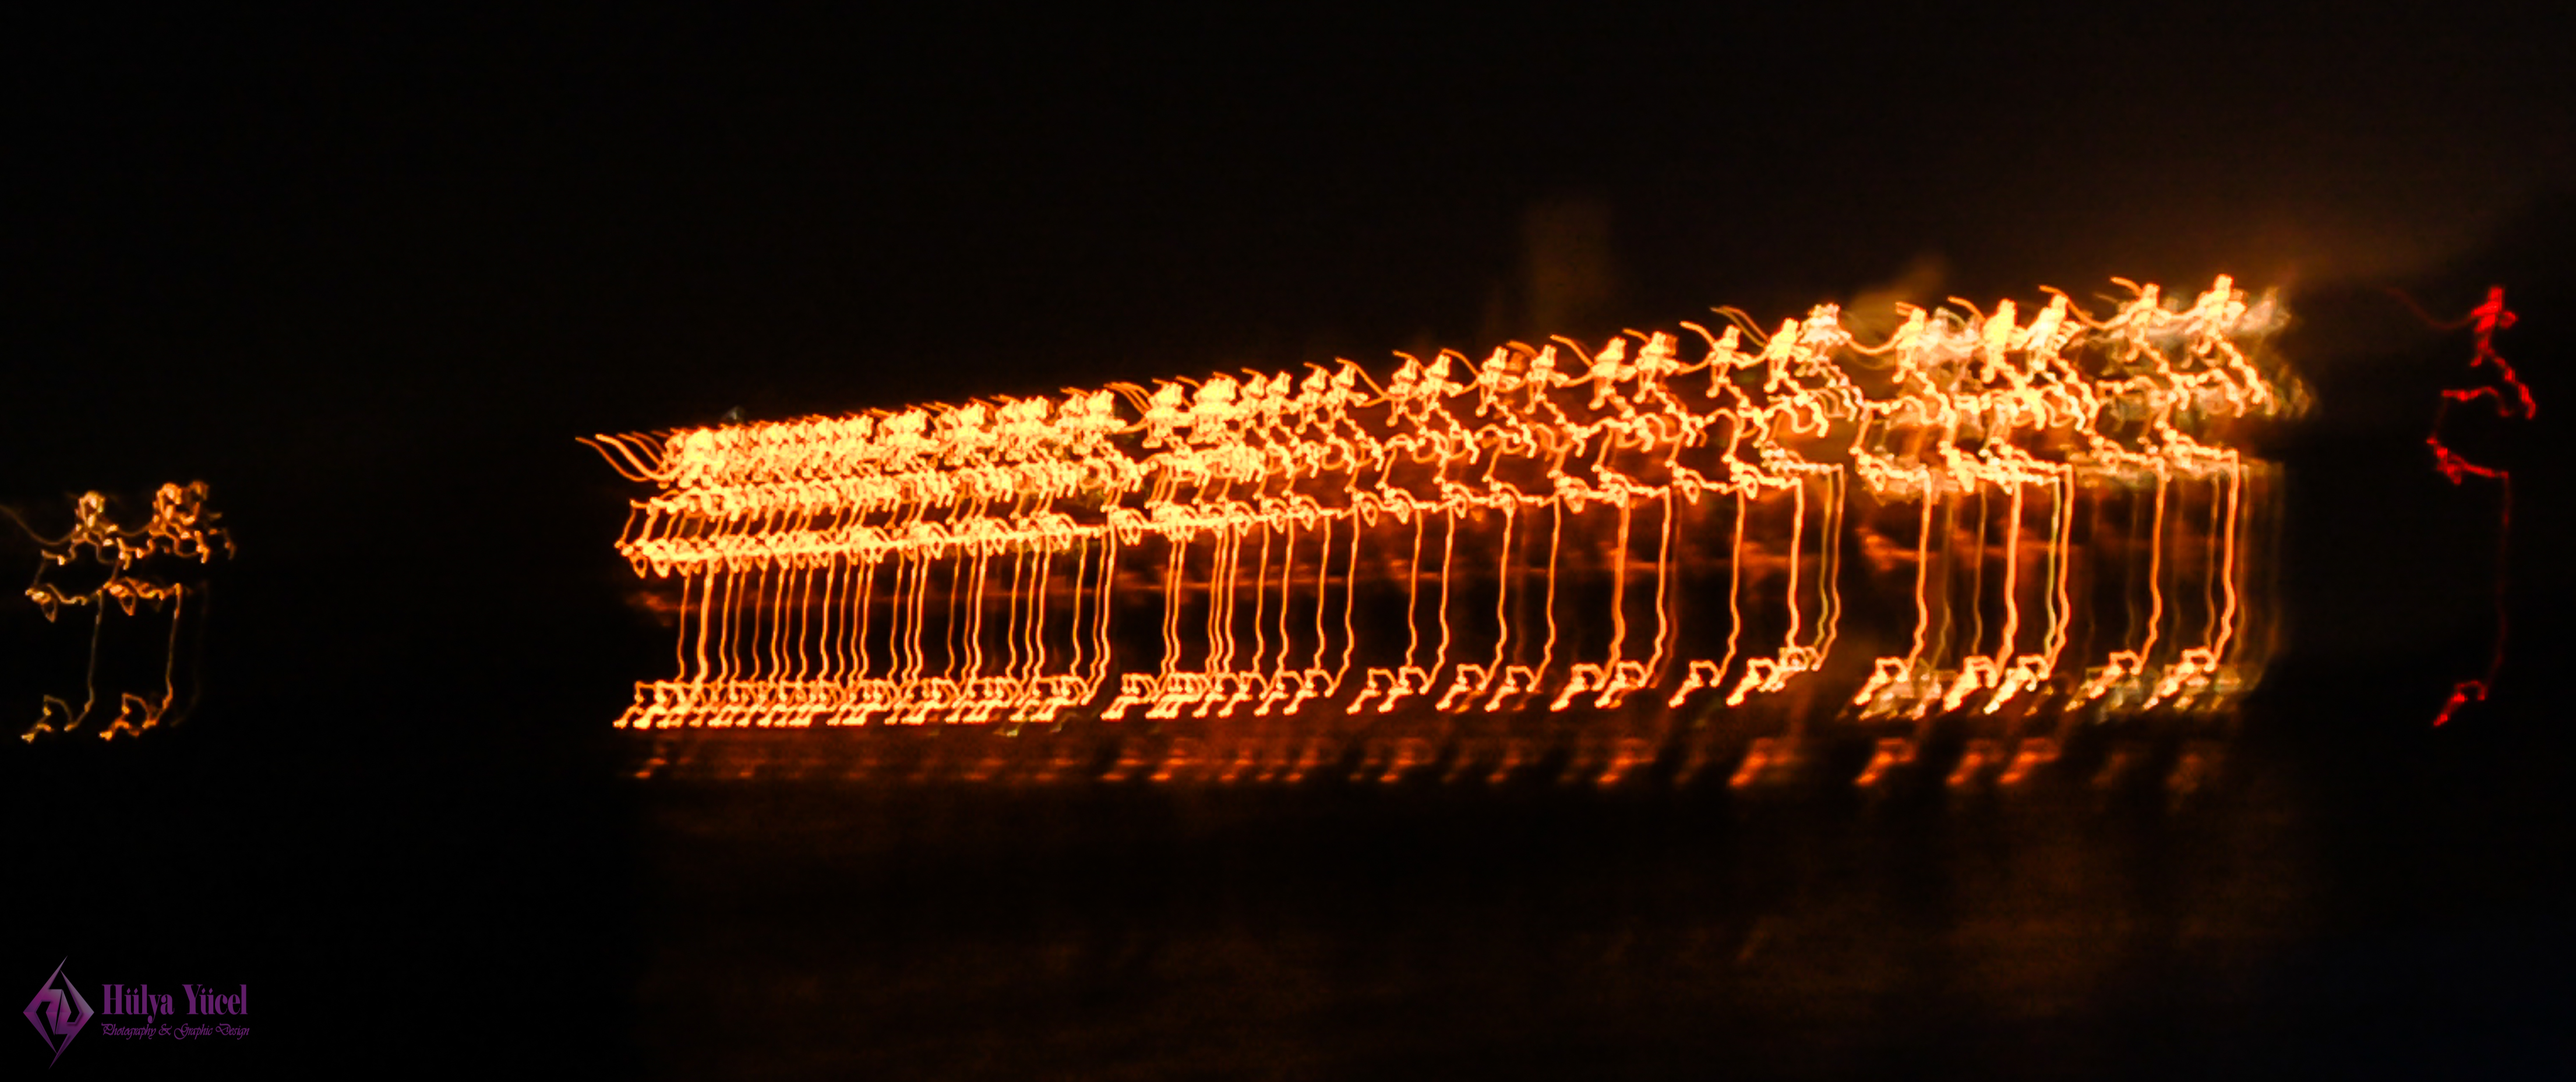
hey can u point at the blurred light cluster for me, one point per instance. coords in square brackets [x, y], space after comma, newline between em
[1979, 515]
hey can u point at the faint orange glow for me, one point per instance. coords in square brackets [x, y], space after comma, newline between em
[181, 527]
[1981, 515]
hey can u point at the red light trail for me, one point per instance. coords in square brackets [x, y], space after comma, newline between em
[2512, 400]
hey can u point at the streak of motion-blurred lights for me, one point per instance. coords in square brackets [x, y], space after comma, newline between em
[2031, 521]
[180, 527]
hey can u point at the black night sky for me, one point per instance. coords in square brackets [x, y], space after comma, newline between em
[369, 276]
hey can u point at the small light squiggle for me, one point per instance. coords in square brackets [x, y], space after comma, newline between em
[180, 527]
[2512, 400]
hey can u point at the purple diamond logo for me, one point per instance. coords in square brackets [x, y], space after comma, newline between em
[58, 1011]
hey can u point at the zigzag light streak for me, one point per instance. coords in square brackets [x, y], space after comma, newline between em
[1978, 515]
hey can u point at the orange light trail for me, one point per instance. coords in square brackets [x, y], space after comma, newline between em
[2054, 506]
[180, 527]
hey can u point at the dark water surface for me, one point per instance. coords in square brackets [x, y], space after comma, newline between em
[2059, 929]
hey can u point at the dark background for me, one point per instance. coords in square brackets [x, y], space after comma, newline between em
[370, 278]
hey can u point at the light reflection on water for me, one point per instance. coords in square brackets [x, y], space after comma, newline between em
[1800, 925]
